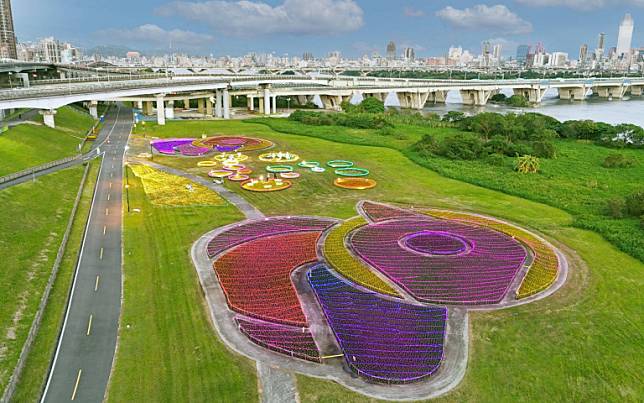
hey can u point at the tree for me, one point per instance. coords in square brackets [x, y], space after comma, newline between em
[527, 164]
[453, 116]
[372, 105]
[487, 123]
[461, 146]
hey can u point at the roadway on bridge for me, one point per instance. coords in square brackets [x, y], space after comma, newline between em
[85, 352]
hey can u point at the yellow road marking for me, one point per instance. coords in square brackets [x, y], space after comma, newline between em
[89, 325]
[96, 285]
[80, 372]
[107, 211]
[110, 185]
[332, 356]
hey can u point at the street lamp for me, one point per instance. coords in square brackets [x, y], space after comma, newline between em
[288, 103]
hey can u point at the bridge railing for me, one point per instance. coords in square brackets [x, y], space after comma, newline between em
[39, 168]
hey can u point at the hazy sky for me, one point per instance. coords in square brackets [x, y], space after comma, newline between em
[354, 27]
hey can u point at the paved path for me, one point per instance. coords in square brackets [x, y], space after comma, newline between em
[85, 352]
[276, 385]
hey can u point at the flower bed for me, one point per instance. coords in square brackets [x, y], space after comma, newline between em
[376, 212]
[382, 340]
[168, 146]
[255, 276]
[545, 267]
[483, 275]
[346, 264]
[234, 143]
[288, 340]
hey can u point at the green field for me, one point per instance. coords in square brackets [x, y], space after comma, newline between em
[37, 365]
[582, 344]
[34, 218]
[168, 350]
[29, 145]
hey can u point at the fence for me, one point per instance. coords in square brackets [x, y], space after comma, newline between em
[34, 170]
[35, 325]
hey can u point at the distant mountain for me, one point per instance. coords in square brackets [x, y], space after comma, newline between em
[109, 50]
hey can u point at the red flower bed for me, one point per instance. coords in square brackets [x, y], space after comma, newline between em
[255, 276]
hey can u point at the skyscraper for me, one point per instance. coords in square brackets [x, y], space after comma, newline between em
[410, 54]
[625, 37]
[583, 54]
[7, 34]
[391, 51]
[601, 45]
[522, 53]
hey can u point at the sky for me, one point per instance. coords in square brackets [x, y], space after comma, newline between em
[353, 27]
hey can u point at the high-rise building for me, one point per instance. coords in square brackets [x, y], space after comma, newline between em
[496, 52]
[410, 54]
[522, 53]
[601, 45]
[7, 33]
[391, 51]
[625, 36]
[583, 54]
[51, 50]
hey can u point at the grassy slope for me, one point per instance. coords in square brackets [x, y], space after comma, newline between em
[28, 145]
[35, 371]
[34, 217]
[168, 350]
[575, 181]
[583, 344]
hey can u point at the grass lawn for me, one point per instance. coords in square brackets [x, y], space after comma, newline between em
[27, 145]
[168, 350]
[34, 217]
[582, 344]
[37, 365]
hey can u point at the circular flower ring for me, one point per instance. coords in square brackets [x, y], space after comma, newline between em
[245, 171]
[280, 156]
[234, 167]
[340, 164]
[219, 174]
[290, 175]
[318, 169]
[308, 164]
[206, 164]
[355, 183]
[352, 172]
[271, 185]
[238, 177]
[278, 169]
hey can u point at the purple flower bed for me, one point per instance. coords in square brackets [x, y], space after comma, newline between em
[262, 228]
[478, 269]
[288, 340]
[190, 150]
[167, 146]
[382, 340]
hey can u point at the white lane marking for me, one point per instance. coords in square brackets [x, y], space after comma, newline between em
[89, 325]
[104, 229]
[107, 211]
[96, 284]
[108, 197]
[101, 255]
[80, 372]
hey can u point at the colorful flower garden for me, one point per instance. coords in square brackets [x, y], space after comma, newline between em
[384, 283]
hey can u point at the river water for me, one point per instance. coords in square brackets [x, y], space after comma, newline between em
[627, 110]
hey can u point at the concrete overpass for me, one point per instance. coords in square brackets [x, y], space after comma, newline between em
[214, 92]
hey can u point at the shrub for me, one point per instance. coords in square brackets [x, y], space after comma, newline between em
[616, 160]
[527, 164]
[615, 207]
[495, 159]
[372, 105]
[499, 98]
[544, 149]
[634, 204]
[453, 116]
[426, 146]
[518, 101]
[461, 146]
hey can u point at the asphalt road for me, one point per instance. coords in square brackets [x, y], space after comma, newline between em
[85, 352]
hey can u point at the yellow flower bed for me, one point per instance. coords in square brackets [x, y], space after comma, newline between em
[169, 190]
[347, 265]
[545, 267]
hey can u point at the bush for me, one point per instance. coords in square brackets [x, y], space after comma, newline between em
[461, 146]
[615, 207]
[372, 105]
[616, 160]
[426, 146]
[453, 117]
[634, 204]
[527, 164]
[544, 149]
[518, 101]
[495, 159]
[499, 98]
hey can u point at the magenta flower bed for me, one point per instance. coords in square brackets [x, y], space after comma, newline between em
[294, 341]
[167, 146]
[258, 229]
[442, 261]
[190, 150]
[382, 340]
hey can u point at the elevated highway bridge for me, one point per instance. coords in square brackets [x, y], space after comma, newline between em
[214, 92]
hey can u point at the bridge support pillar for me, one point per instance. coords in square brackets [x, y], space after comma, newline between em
[261, 106]
[219, 107]
[139, 105]
[148, 108]
[250, 103]
[611, 92]
[437, 97]
[572, 93]
[533, 95]
[48, 117]
[226, 105]
[267, 101]
[93, 109]
[412, 100]
[209, 107]
[477, 97]
[160, 111]
[637, 91]
[169, 110]
[274, 105]
[186, 103]
[201, 105]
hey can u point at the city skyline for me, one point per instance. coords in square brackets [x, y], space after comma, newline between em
[292, 27]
